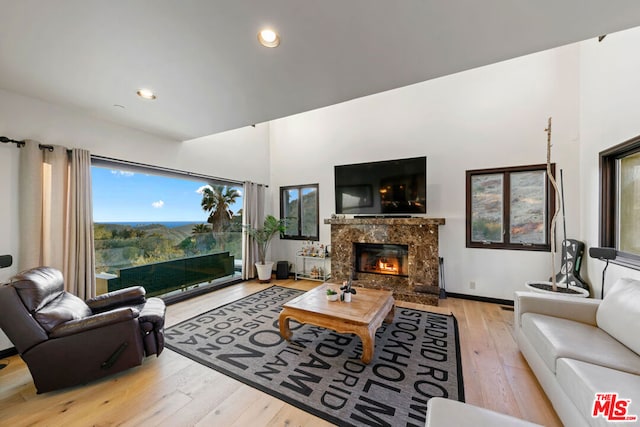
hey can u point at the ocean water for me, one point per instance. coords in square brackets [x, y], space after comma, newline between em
[168, 224]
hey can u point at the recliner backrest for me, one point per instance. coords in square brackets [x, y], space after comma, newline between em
[38, 286]
[42, 292]
[17, 322]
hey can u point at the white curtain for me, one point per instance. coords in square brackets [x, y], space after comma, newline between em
[56, 218]
[31, 201]
[79, 251]
[252, 215]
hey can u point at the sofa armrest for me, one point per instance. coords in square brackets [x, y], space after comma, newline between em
[578, 309]
[128, 296]
[443, 412]
[96, 321]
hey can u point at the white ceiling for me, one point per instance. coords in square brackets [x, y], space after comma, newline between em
[210, 74]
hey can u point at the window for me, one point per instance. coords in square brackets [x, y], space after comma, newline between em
[299, 204]
[144, 215]
[620, 201]
[510, 208]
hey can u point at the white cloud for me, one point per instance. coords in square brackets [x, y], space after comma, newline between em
[201, 189]
[158, 204]
[122, 173]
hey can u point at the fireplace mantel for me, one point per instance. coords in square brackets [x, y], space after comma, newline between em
[385, 221]
[419, 234]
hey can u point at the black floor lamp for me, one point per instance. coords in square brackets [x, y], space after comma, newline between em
[603, 254]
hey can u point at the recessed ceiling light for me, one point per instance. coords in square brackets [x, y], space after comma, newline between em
[146, 94]
[268, 38]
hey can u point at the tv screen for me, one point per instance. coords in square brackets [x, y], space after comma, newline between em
[387, 187]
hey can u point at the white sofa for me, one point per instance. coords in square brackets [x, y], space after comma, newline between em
[443, 412]
[579, 347]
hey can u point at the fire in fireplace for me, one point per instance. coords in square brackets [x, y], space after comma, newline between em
[377, 258]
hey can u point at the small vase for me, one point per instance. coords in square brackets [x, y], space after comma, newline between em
[347, 297]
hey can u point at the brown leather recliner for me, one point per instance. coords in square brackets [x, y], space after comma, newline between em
[66, 341]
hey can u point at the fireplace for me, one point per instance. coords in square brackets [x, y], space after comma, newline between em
[375, 258]
[408, 245]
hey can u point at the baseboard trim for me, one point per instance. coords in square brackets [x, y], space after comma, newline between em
[481, 298]
[192, 293]
[11, 351]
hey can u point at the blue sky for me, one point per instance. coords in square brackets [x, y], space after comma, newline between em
[120, 196]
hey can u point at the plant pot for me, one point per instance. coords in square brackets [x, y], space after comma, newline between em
[264, 271]
[347, 297]
[544, 288]
[333, 297]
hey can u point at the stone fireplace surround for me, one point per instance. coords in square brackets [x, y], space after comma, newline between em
[420, 234]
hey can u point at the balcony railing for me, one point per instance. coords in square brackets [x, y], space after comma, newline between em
[167, 276]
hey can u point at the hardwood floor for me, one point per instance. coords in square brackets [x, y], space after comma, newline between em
[174, 391]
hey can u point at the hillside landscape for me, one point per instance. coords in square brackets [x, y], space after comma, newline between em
[120, 245]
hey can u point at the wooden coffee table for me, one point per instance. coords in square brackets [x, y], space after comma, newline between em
[362, 316]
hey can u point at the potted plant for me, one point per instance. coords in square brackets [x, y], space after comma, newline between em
[262, 236]
[347, 290]
[332, 295]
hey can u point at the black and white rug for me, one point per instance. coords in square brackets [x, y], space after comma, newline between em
[416, 357]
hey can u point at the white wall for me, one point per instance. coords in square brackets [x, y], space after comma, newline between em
[9, 202]
[223, 155]
[610, 115]
[492, 116]
[8, 215]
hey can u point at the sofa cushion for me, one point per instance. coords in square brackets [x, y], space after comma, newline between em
[62, 309]
[555, 338]
[619, 313]
[581, 381]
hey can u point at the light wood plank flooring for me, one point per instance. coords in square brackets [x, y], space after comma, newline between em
[174, 391]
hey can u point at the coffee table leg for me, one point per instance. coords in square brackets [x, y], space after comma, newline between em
[285, 332]
[368, 342]
[390, 315]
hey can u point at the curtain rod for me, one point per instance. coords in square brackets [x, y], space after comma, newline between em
[50, 148]
[19, 144]
[6, 140]
[105, 160]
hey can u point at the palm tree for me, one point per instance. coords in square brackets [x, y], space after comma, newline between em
[200, 229]
[216, 200]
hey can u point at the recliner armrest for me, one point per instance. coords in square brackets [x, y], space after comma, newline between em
[152, 325]
[94, 322]
[130, 296]
[153, 311]
[578, 309]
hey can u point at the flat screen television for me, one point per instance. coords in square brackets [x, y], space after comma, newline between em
[391, 187]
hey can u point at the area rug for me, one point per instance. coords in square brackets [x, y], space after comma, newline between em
[416, 357]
